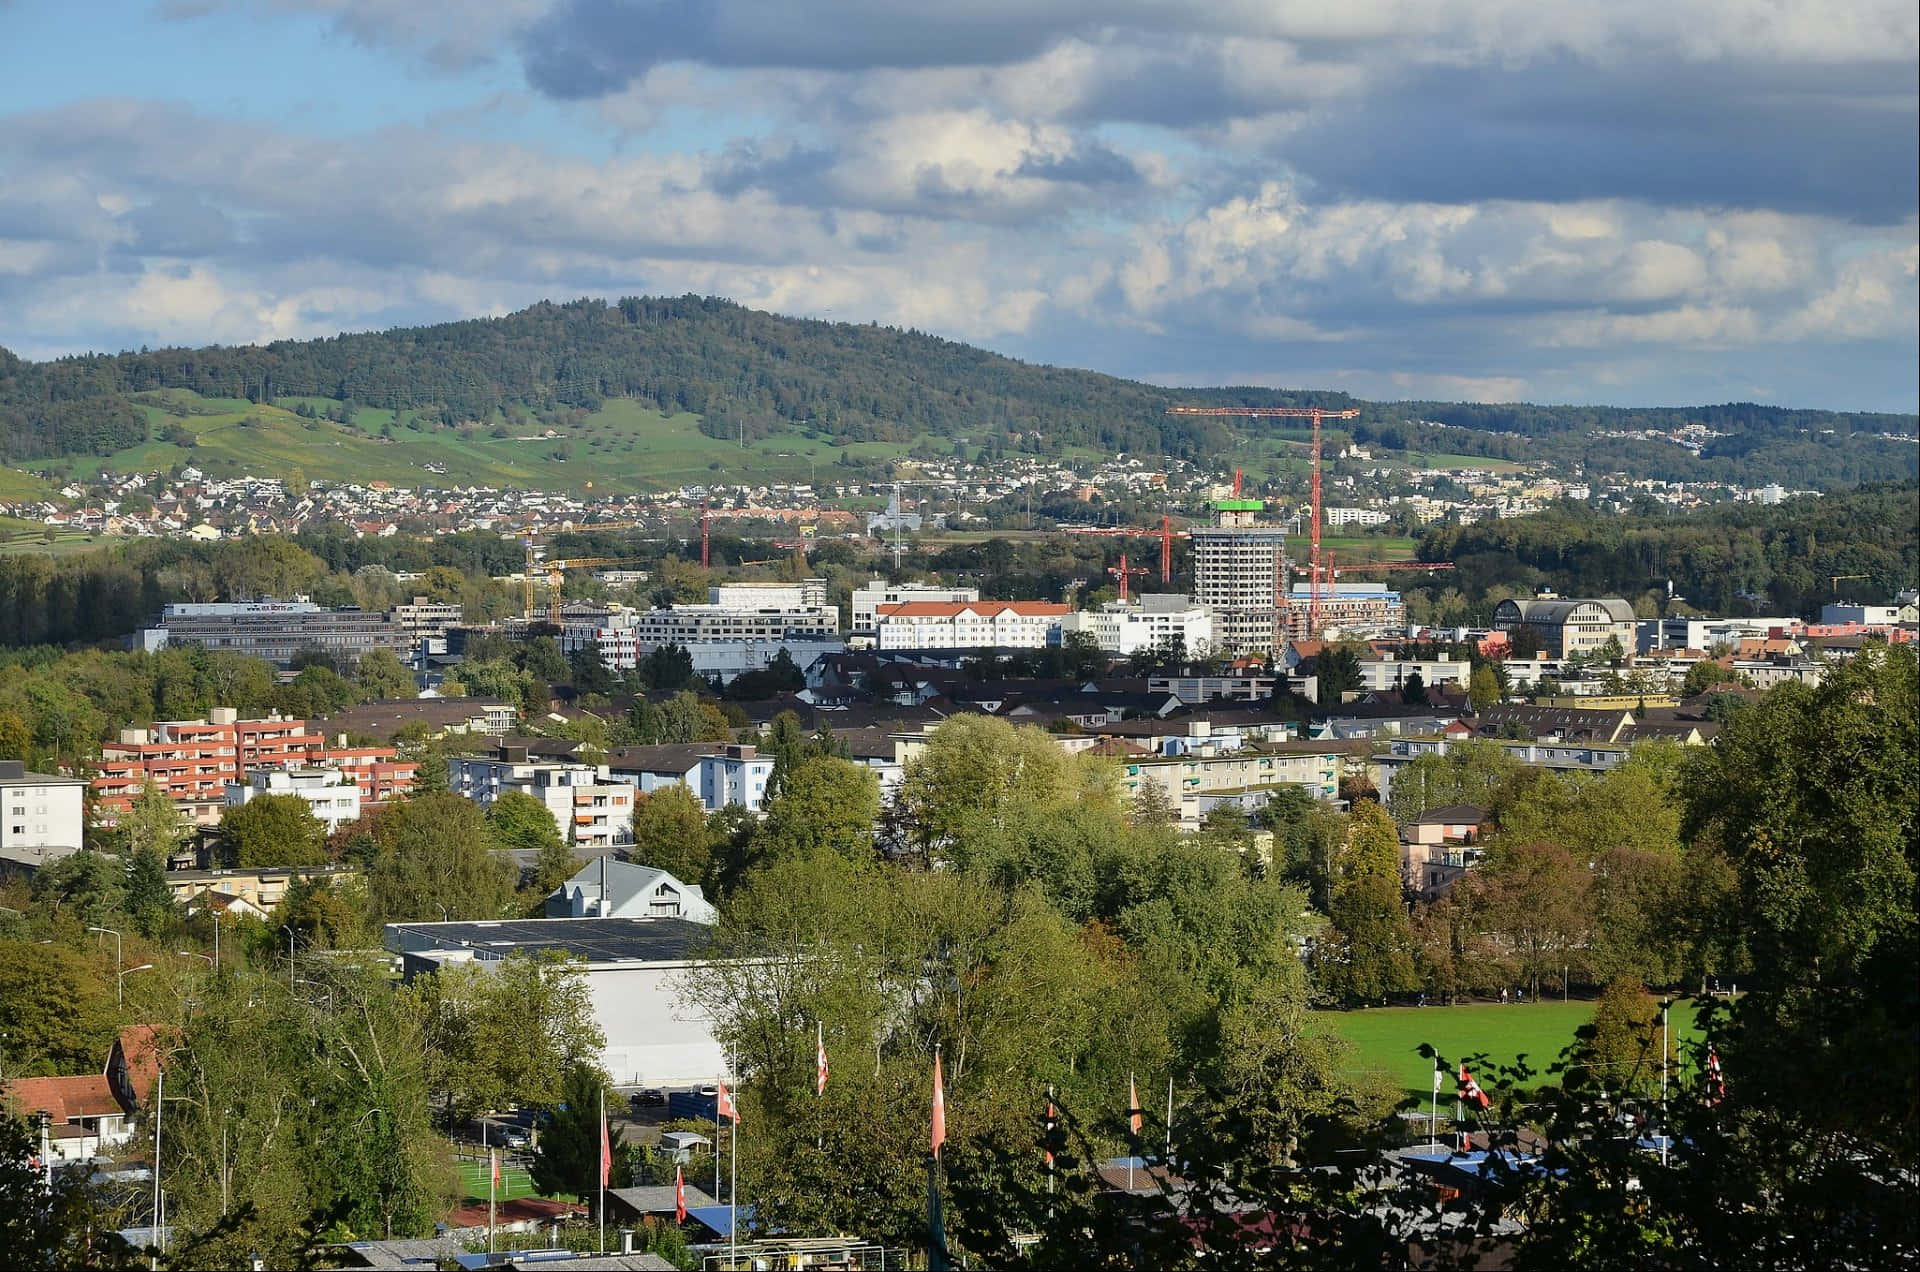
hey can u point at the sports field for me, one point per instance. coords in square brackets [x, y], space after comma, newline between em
[514, 1181]
[1385, 1039]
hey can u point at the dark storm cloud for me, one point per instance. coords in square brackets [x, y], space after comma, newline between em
[1792, 139]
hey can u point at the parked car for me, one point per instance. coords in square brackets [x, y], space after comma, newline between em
[652, 1096]
[516, 1137]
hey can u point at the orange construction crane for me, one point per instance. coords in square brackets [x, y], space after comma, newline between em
[1316, 414]
[1121, 572]
[1166, 533]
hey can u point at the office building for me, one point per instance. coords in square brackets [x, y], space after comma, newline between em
[1568, 628]
[277, 630]
[1239, 572]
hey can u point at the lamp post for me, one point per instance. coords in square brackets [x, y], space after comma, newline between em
[196, 954]
[120, 981]
[289, 931]
[116, 942]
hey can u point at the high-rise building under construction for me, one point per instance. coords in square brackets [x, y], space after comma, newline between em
[1239, 573]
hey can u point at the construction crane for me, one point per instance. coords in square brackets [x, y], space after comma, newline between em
[1835, 580]
[558, 567]
[1122, 571]
[529, 533]
[1316, 414]
[1166, 534]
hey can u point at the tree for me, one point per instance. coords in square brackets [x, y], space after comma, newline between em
[670, 832]
[1623, 1048]
[56, 1010]
[1705, 674]
[1483, 687]
[90, 887]
[825, 805]
[1474, 772]
[1536, 896]
[979, 767]
[1309, 836]
[152, 821]
[1338, 672]
[69, 1224]
[148, 898]
[433, 852]
[273, 830]
[1413, 690]
[1372, 953]
[505, 1033]
[380, 675]
[567, 1161]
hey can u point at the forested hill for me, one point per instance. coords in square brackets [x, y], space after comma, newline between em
[752, 373]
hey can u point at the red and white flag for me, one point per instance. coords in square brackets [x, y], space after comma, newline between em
[723, 1104]
[1716, 1081]
[1050, 1117]
[679, 1195]
[495, 1154]
[939, 1135]
[606, 1153]
[819, 1059]
[1133, 1107]
[1470, 1090]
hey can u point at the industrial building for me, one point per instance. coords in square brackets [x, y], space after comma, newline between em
[1569, 627]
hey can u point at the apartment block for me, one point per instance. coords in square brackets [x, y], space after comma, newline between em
[1155, 621]
[969, 625]
[871, 595]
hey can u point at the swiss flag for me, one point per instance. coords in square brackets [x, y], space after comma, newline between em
[606, 1154]
[679, 1195]
[496, 1167]
[1133, 1107]
[723, 1104]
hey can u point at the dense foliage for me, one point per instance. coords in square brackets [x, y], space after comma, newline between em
[748, 374]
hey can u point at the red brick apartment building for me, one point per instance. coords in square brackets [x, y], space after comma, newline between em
[193, 760]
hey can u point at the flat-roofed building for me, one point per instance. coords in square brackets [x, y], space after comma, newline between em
[871, 595]
[328, 793]
[1239, 572]
[1156, 621]
[969, 625]
[42, 816]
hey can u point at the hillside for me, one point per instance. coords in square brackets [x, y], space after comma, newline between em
[478, 398]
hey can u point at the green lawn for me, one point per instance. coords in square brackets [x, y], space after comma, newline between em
[1384, 1039]
[514, 1181]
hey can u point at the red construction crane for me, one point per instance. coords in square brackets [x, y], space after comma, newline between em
[1166, 533]
[1121, 572]
[1316, 414]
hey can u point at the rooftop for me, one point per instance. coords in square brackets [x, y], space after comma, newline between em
[647, 940]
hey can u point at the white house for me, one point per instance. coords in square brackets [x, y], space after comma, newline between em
[589, 808]
[329, 793]
[871, 595]
[42, 817]
[612, 889]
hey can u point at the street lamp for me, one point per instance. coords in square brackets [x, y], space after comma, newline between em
[196, 954]
[289, 932]
[116, 942]
[120, 981]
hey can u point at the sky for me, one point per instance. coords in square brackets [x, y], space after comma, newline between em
[1636, 202]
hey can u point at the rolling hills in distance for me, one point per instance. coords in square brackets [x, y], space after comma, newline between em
[653, 393]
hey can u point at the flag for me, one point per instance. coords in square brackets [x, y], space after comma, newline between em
[606, 1152]
[1470, 1090]
[1716, 1081]
[1050, 1117]
[819, 1059]
[723, 1104]
[679, 1195]
[1436, 1081]
[939, 1135]
[1133, 1107]
[495, 1154]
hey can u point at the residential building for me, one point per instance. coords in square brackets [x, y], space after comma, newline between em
[1239, 572]
[1567, 628]
[717, 773]
[1332, 517]
[1246, 778]
[258, 888]
[1705, 633]
[1156, 621]
[42, 816]
[968, 625]
[705, 624]
[1348, 609]
[1390, 672]
[590, 809]
[1246, 686]
[84, 1119]
[192, 761]
[611, 889]
[871, 595]
[639, 974]
[808, 594]
[1441, 845]
[329, 793]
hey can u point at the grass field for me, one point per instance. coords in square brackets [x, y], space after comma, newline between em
[514, 1181]
[1384, 1039]
[620, 448]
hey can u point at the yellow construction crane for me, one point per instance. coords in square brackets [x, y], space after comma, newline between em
[533, 562]
[1835, 580]
[556, 568]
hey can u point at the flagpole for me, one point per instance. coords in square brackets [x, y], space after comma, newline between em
[1133, 1136]
[733, 1190]
[1664, 1054]
[1050, 1166]
[1433, 1110]
[492, 1171]
[1169, 1121]
[605, 1153]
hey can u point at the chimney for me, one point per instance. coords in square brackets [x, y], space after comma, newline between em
[626, 1241]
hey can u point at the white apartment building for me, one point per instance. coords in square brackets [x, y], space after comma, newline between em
[1352, 517]
[1705, 633]
[1238, 577]
[871, 595]
[707, 624]
[42, 817]
[969, 625]
[1154, 621]
[329, 793]
[588, 808]
[1389, 672]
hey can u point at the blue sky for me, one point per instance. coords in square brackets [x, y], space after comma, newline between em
[1648, 201]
